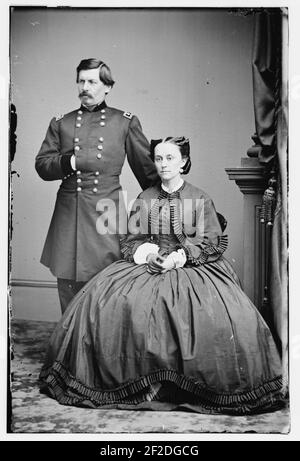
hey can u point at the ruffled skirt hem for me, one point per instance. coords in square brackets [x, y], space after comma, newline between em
[177, 392]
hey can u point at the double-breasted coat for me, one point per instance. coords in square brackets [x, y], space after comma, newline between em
[89, 213]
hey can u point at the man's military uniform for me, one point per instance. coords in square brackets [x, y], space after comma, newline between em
[75, 247]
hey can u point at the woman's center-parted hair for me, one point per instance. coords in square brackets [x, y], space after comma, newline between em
[181, 142]
[104, 71]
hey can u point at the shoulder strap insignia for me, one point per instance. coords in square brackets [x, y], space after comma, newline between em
[59, 117]
[128, 115]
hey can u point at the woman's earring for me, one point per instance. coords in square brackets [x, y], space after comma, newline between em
[181, 170]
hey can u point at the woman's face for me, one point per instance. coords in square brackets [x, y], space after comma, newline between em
[168, 160]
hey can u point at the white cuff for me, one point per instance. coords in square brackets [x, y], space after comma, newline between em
[179, 258]
[140, 256]
[73, 162]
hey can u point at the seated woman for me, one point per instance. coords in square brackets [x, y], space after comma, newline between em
[168, 327]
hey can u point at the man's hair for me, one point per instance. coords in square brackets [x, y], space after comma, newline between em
[179, 141]
[104, 71]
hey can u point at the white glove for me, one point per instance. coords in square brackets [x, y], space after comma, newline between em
[140, 256]
[178, 257]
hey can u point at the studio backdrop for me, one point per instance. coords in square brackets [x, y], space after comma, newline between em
[181, 71]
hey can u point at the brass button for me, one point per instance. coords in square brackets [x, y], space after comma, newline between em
[102, 123]
[101, 139]
[78, 172]
[100, 147]
[95, 189]
[79, 118]
[103, 117]
[96, 181]
[97, 173]
[99, 155]
[78, 125]
[76, 148]
[78, 180]
[76, 139]
[79, 112]
[79, 189]
[103, 111]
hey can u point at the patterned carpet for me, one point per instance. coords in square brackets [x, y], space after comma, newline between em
[33, 412]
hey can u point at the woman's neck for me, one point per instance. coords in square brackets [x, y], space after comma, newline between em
[172, 184]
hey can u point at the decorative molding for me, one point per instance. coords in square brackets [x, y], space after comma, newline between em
[249, 177]
[33, 283]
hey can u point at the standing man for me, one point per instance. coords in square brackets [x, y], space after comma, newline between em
[86, 149]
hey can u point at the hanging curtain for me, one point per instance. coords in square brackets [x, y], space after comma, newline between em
[265, 57]
[269, 66]
[279, 259]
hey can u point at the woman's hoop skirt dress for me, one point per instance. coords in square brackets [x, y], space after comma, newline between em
[187, 339]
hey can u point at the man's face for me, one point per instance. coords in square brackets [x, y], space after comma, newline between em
[90, 88]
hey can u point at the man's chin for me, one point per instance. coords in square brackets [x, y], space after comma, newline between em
[86, 100]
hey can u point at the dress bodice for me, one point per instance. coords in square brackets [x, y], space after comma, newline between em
[166, 238]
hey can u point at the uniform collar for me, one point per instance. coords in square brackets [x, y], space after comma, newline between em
[100, 106]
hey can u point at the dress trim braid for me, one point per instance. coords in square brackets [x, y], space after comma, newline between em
[209, 250]
[69, 391]
[176, 223]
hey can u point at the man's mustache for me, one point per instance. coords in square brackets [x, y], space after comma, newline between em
[84, 93]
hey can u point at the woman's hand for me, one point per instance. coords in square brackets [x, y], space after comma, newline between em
[158, 264]
[155, 262]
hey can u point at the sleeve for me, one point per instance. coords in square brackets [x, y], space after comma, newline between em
[49, 162]
[137, 234]
[138, 154]
[208, 243]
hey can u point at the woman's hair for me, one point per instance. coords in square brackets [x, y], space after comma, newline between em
[184, 147]
[104, 71]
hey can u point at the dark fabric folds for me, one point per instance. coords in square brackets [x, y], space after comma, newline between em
[266, 56]
[128, 330]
